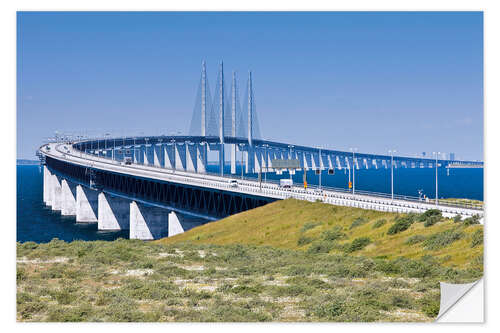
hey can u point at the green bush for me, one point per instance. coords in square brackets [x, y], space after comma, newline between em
[477, 238]
[303, 240]
[430, 304]
[401, 224]
[430, 213]
[474, 219]
[415, 239]
[309, 225]
[332, 235]
[379, 223]
[320, 247]
[442, 239]
[331, 310]
[431, 220]
[358, 244]
[357, 222]
[457, 218]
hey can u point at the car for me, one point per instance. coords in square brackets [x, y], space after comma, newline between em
[233, 183]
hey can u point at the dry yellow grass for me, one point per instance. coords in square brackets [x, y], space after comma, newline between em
[280, 224]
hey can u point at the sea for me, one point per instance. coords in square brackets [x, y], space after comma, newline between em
[38, 223]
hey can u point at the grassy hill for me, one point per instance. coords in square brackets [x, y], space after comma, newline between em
[319, 227]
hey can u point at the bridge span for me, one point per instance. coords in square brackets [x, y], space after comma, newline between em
[161, 193]
[158, 186]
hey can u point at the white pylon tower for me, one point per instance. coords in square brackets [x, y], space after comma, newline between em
[233, 123]
[250, 107]
[203, 98]
[221, 119]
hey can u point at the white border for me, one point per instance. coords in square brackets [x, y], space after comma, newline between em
[8, 124]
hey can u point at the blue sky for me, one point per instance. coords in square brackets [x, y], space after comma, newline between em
[376, 81]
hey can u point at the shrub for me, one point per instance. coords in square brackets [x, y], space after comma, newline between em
[442, 239]
[457, 218]
[474, 219]
[477, 238]
[357, 222]
[331, 310]
[415, 239]
[379, 223]
[320, 247]
[430, 304]
[429, 213]
[431, 220]
[358, 244]
[303, 240]
[309, 225]
[401, 224]
[332, 235]
[402, 300]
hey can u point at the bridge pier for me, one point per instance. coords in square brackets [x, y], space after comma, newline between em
[86, 204]
[201, 162]
[113, 212]
[68, 193]
[169, 156]
[148, 158]
[56, 190]
[233, 159]
[180, 157]
[159, 155]
[191, 157]
[47, 186]
[148, 222]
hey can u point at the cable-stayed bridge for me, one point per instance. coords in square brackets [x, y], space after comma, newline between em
[158, 186]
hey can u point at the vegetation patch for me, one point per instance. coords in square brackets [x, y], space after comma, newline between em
[357, 222]
[401, 224]
[477, 238]
[474, 219]
[379, 223]
[415, 239]
[442, 239]
[238, 283]
[357, 244]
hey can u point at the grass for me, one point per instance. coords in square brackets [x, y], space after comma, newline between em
[190, 282]
[286, 224]
[287, 261]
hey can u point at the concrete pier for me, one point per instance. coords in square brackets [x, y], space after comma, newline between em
[148, 222]
[113, 212]
[68, 192]
[47, 186]
[56, 192]
[175, 224]
[86, 204]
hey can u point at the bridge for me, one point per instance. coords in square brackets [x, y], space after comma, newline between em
[157, 186]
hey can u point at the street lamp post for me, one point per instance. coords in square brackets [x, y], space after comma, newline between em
[392, 173]
[173, 166]
[241, 151]
[353, 170]
[290, 171]
[436, 167]
[320, 168]
[266, 161]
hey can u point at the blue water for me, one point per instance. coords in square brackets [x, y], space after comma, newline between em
[36, 222]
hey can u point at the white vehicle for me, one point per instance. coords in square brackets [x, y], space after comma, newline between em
[233, 183]
[286, 183]
[127, 161]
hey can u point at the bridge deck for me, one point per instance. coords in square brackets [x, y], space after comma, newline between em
[66, 153]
